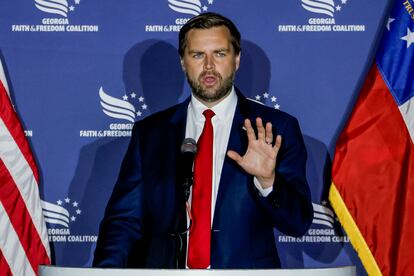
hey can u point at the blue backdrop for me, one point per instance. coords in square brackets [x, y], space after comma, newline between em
[82, 71]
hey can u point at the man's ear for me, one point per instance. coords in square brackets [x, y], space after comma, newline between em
[182, 64]
[238, 61]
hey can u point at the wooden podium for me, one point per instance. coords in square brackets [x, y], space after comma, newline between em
[71, 271]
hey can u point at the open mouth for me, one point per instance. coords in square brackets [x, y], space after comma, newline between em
[209, 79]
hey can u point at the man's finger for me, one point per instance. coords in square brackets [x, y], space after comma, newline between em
[234, 155]
[260, 129]
[269, 133]
[250, 131]
[278, 143]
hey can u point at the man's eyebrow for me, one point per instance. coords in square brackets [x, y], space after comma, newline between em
[195, 51]
[222, 50]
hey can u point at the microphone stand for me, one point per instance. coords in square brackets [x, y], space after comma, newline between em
[185, 181]
[181, 228]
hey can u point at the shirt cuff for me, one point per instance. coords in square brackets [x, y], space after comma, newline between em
[263, 192]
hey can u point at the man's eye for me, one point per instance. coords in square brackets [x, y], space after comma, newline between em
[198, 55]
[221, 54]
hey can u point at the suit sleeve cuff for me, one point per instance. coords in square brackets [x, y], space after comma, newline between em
[263, 192]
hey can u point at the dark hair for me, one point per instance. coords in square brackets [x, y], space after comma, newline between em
[206, 21]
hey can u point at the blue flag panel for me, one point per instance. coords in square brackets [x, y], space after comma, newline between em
[396, 53]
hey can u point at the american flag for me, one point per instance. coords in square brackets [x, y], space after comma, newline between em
[23, 234]
[373, 168]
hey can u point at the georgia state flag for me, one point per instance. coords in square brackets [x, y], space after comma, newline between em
[373, 171]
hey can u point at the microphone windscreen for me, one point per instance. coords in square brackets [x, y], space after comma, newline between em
[189, 145]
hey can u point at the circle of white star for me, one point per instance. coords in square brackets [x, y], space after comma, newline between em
[75, 204]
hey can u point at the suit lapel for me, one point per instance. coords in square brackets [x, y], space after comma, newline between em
[178, 120]
[238, 143]
[176, 136]
[178, 123]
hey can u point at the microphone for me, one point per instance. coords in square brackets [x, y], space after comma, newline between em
[188, 151]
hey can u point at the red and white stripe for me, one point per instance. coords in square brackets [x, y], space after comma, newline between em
[23, 234]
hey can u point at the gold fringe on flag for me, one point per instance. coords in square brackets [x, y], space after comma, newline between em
[352, 230]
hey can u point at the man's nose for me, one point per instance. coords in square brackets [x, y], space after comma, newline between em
[209, 62]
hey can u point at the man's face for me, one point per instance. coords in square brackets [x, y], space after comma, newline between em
[210, 63]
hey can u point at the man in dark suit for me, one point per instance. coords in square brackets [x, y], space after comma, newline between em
[255, 175]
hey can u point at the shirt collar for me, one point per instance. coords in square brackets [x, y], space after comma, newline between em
[221, 109]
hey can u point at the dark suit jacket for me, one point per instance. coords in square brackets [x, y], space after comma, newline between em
[145, 213]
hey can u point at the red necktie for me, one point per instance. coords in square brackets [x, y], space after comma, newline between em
[200, 232]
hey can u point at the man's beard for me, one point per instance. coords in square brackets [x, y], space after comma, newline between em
[206, 94]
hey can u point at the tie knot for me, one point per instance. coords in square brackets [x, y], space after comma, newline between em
[208, 113]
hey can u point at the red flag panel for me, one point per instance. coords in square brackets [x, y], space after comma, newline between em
[373, 172]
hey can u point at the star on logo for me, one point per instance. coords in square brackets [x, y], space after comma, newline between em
[69, 207]
[344, 1]
[141, 99]
[133, 95]
[125, 97]
[210, 2]
[77, 2]
[139, 113]
[71, 8]
[338, 8]
[273, 99]
[205, 8]
[144, 106]
[277, 106]
[265, 95]
[390, 20]
[409, 37]
[257, 97]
